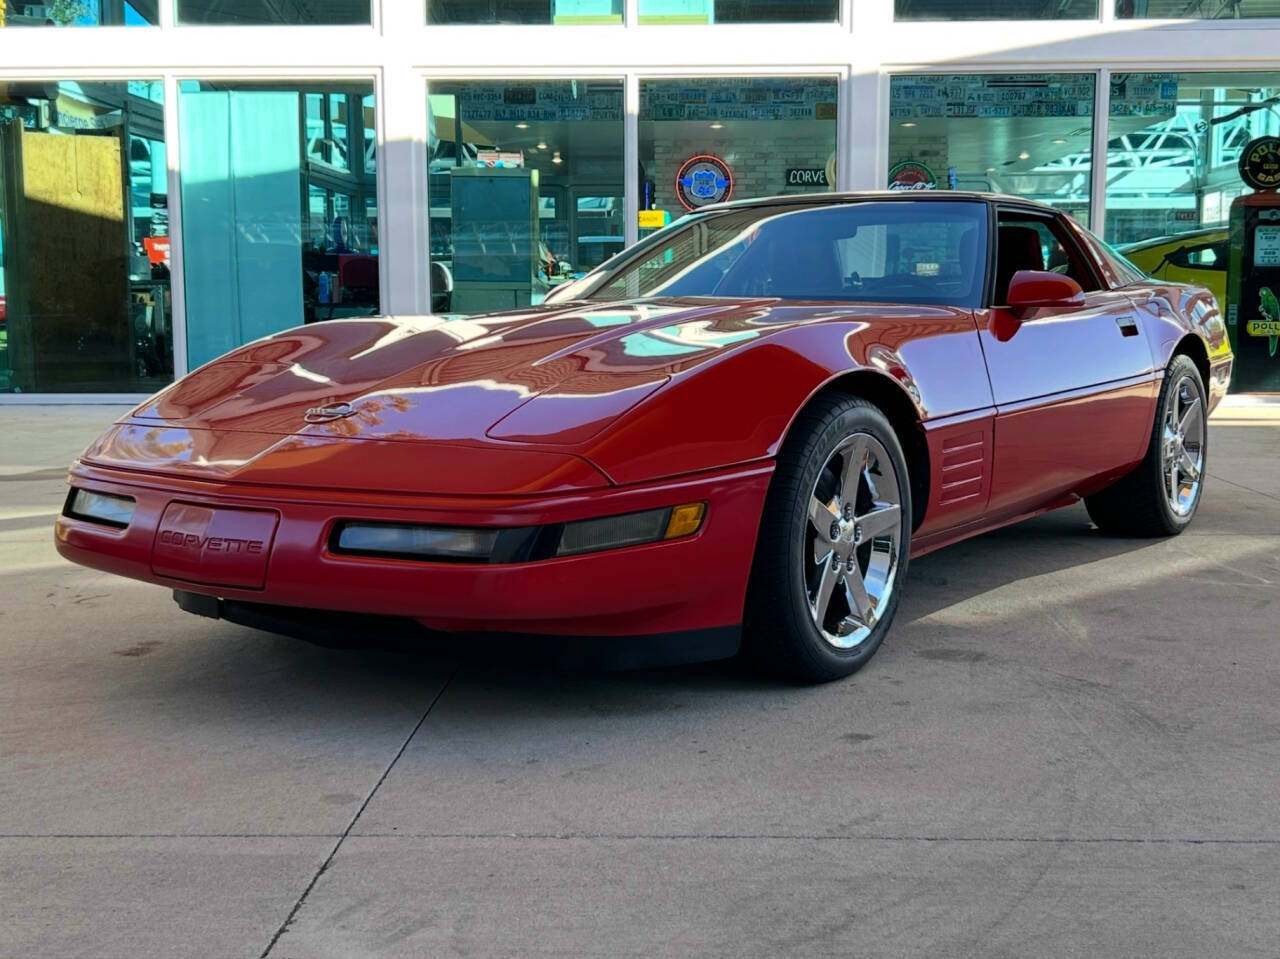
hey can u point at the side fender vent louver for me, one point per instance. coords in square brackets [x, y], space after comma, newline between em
[964, 473]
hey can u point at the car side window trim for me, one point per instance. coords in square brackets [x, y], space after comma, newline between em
[1057, 226]
[989, 286]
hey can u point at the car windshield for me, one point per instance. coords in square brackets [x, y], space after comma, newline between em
[887, 251]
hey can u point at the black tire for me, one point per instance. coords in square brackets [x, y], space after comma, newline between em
[1139, 504]
[780, 633]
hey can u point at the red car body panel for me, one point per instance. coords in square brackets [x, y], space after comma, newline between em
[581, 410]
[686, 584]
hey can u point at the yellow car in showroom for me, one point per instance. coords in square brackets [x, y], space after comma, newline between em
[1198, 257]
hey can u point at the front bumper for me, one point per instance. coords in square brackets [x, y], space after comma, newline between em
[694, 583]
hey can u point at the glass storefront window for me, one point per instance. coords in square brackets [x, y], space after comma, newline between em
[1178, 148]
[313, 107]
[559, 12]
[1173, 147]
[369, 124]
[709, 139]
[84, 238]
[526, 187]
[996, 10]
[1194, 9]
[277, 226]
[78, 13]
[738, 11]
[270, 12]
[1027, 135]
[328, 139]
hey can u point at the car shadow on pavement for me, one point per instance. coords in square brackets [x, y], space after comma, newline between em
[1057, 541]
[958, 574]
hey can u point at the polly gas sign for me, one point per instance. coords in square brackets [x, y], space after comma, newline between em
[1260, 163]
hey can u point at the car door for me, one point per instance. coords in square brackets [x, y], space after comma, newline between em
[1073, 386]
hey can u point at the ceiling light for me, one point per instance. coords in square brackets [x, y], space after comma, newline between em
[542, 144]
[522, 125]
[991, 169]
[555, 157]
[1059, 141]
[1024, 155]
[907, 125]
[717, 125]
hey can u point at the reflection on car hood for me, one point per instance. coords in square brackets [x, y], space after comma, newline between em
[451, 379]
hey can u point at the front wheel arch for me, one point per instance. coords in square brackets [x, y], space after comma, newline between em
[1192, 347]
[903, 415]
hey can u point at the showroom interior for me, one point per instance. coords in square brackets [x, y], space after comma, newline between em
[179, 177]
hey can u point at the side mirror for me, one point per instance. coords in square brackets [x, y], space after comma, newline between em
[1029, 290]
[1036, 289]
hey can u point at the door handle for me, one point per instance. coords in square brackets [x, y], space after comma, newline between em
[1128, 325]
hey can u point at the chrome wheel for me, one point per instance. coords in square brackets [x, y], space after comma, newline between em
[851, 540]
[1182, 449]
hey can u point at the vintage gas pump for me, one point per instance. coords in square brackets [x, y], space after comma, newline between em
[1253, 272]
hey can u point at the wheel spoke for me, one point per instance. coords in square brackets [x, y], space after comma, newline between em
[872, 490]
[1187, 464]
[859, 600]
[821, 551]
[855, 461]
[826, 586]
[1174, 486]
[880, 521]
[1190, 415]
[821, 516]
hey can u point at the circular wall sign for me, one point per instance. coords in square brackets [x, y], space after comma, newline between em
[702, 180]
[910, 175]
[1260, 163]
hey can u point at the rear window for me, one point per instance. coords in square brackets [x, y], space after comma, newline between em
[931, 252]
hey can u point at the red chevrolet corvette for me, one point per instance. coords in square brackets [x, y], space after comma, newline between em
[733, 434]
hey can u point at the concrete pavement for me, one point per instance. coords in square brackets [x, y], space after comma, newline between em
[1069, 746]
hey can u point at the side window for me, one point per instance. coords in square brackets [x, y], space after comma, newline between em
[1200, 256]
[1027, 242]
[1206, 257]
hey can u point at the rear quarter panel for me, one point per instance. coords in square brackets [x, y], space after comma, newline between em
[1169, 312]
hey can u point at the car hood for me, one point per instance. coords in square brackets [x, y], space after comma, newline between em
[451, 384]
[441, 379]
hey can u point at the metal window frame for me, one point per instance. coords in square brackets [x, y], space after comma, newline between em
[398, 51]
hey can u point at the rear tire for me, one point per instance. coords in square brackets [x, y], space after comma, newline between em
[1160, 497]
[834, 538]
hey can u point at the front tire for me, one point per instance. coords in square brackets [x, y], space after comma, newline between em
[1160, 497]
[834, 538]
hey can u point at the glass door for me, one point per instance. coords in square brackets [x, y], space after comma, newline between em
[598, 225]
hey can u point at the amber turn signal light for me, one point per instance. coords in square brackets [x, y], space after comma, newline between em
[685, 520]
